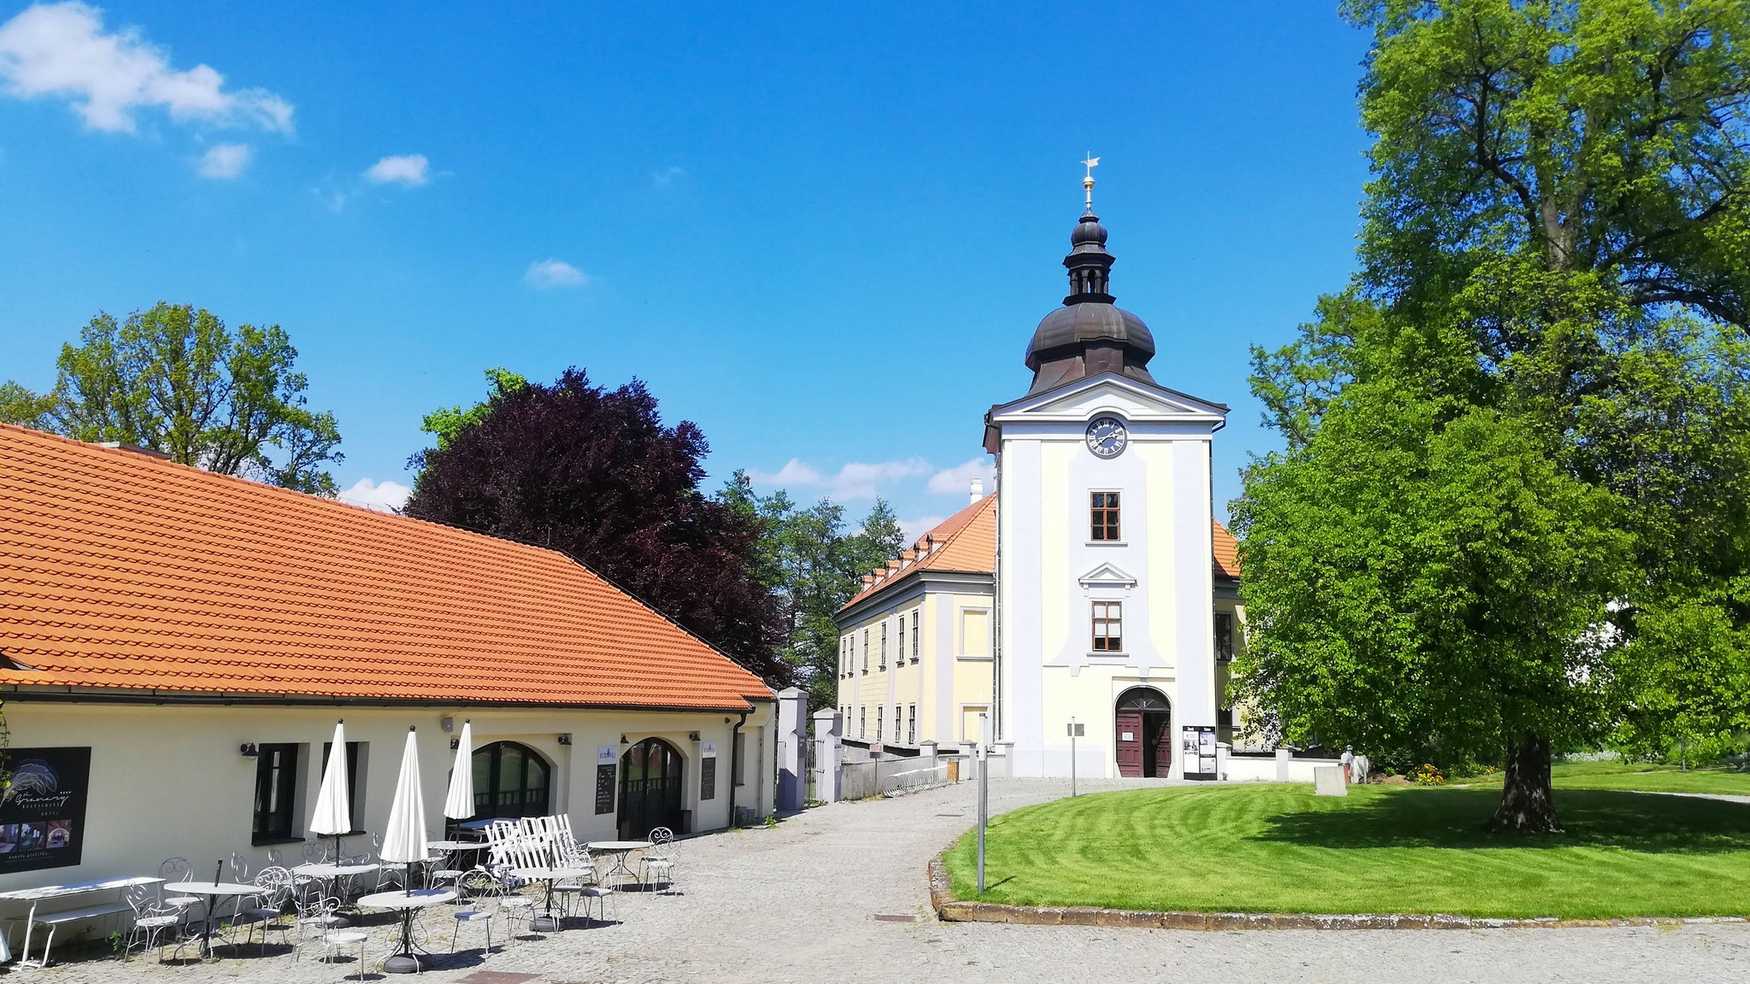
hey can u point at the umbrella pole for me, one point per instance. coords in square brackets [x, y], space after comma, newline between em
[408, 884]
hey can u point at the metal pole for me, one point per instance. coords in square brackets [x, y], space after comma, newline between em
[1072, 758]
[983, 791]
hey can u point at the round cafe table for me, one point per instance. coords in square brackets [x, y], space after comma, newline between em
[407, 903]
[328, 873]
[213, 892]
[453, 851]
[620, 850]
[547, 922]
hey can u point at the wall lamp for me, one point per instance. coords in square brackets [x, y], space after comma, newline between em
[692, 736]
[565, 739]
[248, 750]
[455, 743]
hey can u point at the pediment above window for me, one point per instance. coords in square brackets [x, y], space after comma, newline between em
[1107, 576]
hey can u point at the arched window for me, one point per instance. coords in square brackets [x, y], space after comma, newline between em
[650, 788]
[510, 780]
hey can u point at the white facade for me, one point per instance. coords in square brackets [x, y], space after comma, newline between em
[1051, 572]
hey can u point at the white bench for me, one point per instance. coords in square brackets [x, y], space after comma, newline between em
[53, 921]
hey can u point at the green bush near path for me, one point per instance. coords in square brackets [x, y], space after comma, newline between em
[1279, 848]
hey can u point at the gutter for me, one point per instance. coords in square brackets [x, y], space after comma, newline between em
[80, 695]
[734, 763]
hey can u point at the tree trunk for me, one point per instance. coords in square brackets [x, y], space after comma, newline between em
[1527, 803]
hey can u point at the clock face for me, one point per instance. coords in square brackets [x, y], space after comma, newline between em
[1107, 437]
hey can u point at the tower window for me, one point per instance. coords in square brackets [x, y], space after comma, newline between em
[1108, 627]
[1103, 516]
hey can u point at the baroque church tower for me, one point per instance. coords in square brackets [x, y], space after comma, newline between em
[1104, 582]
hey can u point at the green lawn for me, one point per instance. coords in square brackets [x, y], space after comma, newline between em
[1636, 775]
[1279, 848]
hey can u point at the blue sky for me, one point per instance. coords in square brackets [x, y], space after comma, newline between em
[824, 235]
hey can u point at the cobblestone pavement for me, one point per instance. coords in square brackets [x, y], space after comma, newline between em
[799, 903]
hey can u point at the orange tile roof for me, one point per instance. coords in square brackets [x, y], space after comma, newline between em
[120, 570]
[1227, 553]
[964, 543]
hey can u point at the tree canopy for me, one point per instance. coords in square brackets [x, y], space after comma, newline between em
[175, 379]
[1511, 514]
[597, 475]
[813, 563]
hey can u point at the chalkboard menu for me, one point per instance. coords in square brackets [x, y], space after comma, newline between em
[604, 789]
[708, 779]
[42, 816]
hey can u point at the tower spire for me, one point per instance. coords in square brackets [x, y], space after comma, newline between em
[1090, 162]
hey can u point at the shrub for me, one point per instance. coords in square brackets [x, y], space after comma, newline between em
[1427, 775]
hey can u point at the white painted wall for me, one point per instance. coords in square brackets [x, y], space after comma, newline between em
[168, 780]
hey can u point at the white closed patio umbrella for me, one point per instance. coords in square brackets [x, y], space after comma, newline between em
[333, 814]
[459, 804]
[404, 839]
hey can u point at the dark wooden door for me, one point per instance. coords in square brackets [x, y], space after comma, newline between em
[650, 789]
[1130, 738]
[1163, 743]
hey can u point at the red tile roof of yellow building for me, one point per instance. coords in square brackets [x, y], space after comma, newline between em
[966, 543]
[1227, 553]
[121, 570]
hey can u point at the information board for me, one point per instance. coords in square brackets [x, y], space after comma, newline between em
[708, 778]
[1198, 750]
[604, 789]
[42, 814]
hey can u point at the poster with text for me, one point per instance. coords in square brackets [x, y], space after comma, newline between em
[1198, 741]
[42, 814]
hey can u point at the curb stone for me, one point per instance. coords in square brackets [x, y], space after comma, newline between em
[950, 909]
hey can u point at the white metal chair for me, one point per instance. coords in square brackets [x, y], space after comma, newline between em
[584, 891]
[266, 908]
[659, 861]
[479, 892]
[152, 920]
[173, 870]
[318, 920]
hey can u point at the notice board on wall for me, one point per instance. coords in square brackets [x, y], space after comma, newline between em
[604, 789]
[1198, 749]
[42, 815]
[708, 778]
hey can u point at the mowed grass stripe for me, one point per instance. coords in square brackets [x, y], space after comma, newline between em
[1278, 848]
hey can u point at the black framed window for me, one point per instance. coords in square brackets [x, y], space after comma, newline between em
[914, 636]
[1103, 516]
[883, 657]
[911, 724]
[352, 778]
[865, 650]
[510, 780]
[880, 716]
[1108, 627]
[276, 786]
[1224, 636]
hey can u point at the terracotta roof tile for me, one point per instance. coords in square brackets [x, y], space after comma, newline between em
[964, 543]
[121, 570]
[1227, 553]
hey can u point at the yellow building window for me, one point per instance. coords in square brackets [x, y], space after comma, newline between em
[974, 632]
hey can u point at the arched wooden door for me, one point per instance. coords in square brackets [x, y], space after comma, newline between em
[1143, 729]
[650, 788]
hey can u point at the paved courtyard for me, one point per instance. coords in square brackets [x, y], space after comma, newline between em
[799, 903]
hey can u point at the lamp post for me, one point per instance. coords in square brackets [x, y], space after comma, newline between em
[1075, 730]
[982, 752]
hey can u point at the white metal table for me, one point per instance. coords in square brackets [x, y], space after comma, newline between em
[45, 893]
[407, 903]
[328, 873]
[547, 922]
[213, 892]
[620, 849]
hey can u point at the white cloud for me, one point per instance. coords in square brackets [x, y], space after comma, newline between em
[918, 526]
[385, 496]
[958, 479]
[664, 177]
[854, 480]
[410, 170]
[223, 162]
[61, 51]
[550, 273]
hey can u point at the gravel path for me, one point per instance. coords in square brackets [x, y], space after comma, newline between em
[797, 903]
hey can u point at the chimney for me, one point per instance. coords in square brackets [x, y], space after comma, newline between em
[977, 490]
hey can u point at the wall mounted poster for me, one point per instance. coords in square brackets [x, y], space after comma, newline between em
[604, 789]
[42, 815]
[1197, 745]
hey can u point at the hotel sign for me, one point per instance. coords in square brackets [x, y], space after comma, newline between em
[42, 812]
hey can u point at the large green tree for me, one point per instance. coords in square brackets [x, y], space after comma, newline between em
[1553, 300]
[175, 379]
